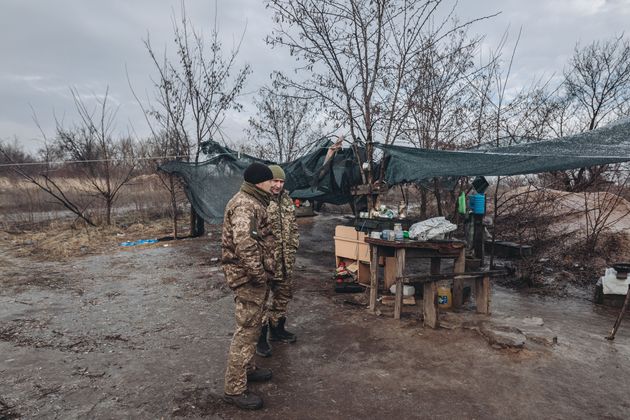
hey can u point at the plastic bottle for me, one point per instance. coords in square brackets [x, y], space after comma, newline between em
[398, 232]
[461, 203]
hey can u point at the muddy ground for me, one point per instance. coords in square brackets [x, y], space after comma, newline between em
[143, 332]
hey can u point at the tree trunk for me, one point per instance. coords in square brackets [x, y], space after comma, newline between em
[173, 204]
[197, 226]
[438, 196]
[109, 211]
[423, 203]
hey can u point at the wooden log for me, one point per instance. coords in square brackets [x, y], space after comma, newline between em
[430, 307]
[478, 236]
[460, 262]
[482, 294]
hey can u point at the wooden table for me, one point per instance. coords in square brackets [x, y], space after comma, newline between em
[436, 251]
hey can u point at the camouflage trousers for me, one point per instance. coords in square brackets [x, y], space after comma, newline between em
[250, 308]
[280, 296]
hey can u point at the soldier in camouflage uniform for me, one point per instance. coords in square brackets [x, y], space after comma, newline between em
[248, 264]
[281, 213]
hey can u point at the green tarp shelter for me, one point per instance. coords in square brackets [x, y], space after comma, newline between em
[209, 185]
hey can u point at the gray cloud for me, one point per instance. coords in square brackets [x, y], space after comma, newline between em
[48, 46]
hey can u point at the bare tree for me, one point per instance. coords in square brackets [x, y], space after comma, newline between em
[440, 104]
[193, 92]
[160, 148]
[358, 55]
[106, 163]
[598, 80]
[596, 91]
[42, 180]
[284, 124]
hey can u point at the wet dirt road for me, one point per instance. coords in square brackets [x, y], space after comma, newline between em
[144, 332]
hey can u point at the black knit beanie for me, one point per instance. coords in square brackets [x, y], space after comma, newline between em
[257, 173]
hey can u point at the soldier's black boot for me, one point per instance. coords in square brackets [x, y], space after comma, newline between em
[246, 400]
[260, 374]
[278, 333]
[263, 348]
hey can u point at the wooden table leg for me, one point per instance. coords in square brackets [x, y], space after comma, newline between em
[482, 294]
[458, 284]
[373, 277]
[400, 268]
[430, 307]
[399, 298]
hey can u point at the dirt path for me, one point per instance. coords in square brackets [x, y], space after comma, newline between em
[143, 333]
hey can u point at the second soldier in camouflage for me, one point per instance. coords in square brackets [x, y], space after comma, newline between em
[281, 213]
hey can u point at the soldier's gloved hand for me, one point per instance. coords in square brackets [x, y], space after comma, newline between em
[257, 282]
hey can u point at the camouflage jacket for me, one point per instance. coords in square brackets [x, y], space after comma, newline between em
[284, 226]
[247, 240]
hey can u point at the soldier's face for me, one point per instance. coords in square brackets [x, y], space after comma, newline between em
[265, 186]
[276, 186]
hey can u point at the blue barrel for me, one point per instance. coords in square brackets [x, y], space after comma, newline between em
[477, 203]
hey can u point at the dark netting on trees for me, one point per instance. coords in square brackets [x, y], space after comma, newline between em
[610, 144]
[209, 185]
[312, 177]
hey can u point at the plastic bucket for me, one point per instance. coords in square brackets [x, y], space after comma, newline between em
[445, 297]
[477, 203]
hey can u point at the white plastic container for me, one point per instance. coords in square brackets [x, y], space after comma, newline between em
[407, 290]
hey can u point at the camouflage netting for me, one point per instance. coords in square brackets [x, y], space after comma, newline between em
[209, 185]
[606, 145]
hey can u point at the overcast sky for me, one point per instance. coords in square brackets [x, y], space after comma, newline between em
[47, 46]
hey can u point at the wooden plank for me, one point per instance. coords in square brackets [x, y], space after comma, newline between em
[446, 246]
[458, 283]
[364, 273]
[389, 273]
[466, 275]
[482, 294]
[363, 248]
[430, 307]
[400, 268]
[391, 300]
[373, 277]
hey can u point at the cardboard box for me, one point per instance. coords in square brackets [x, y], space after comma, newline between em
[350, 244]
[351, 248]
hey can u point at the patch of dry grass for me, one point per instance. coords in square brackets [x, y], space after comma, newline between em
[23, 200]
[61, 240]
